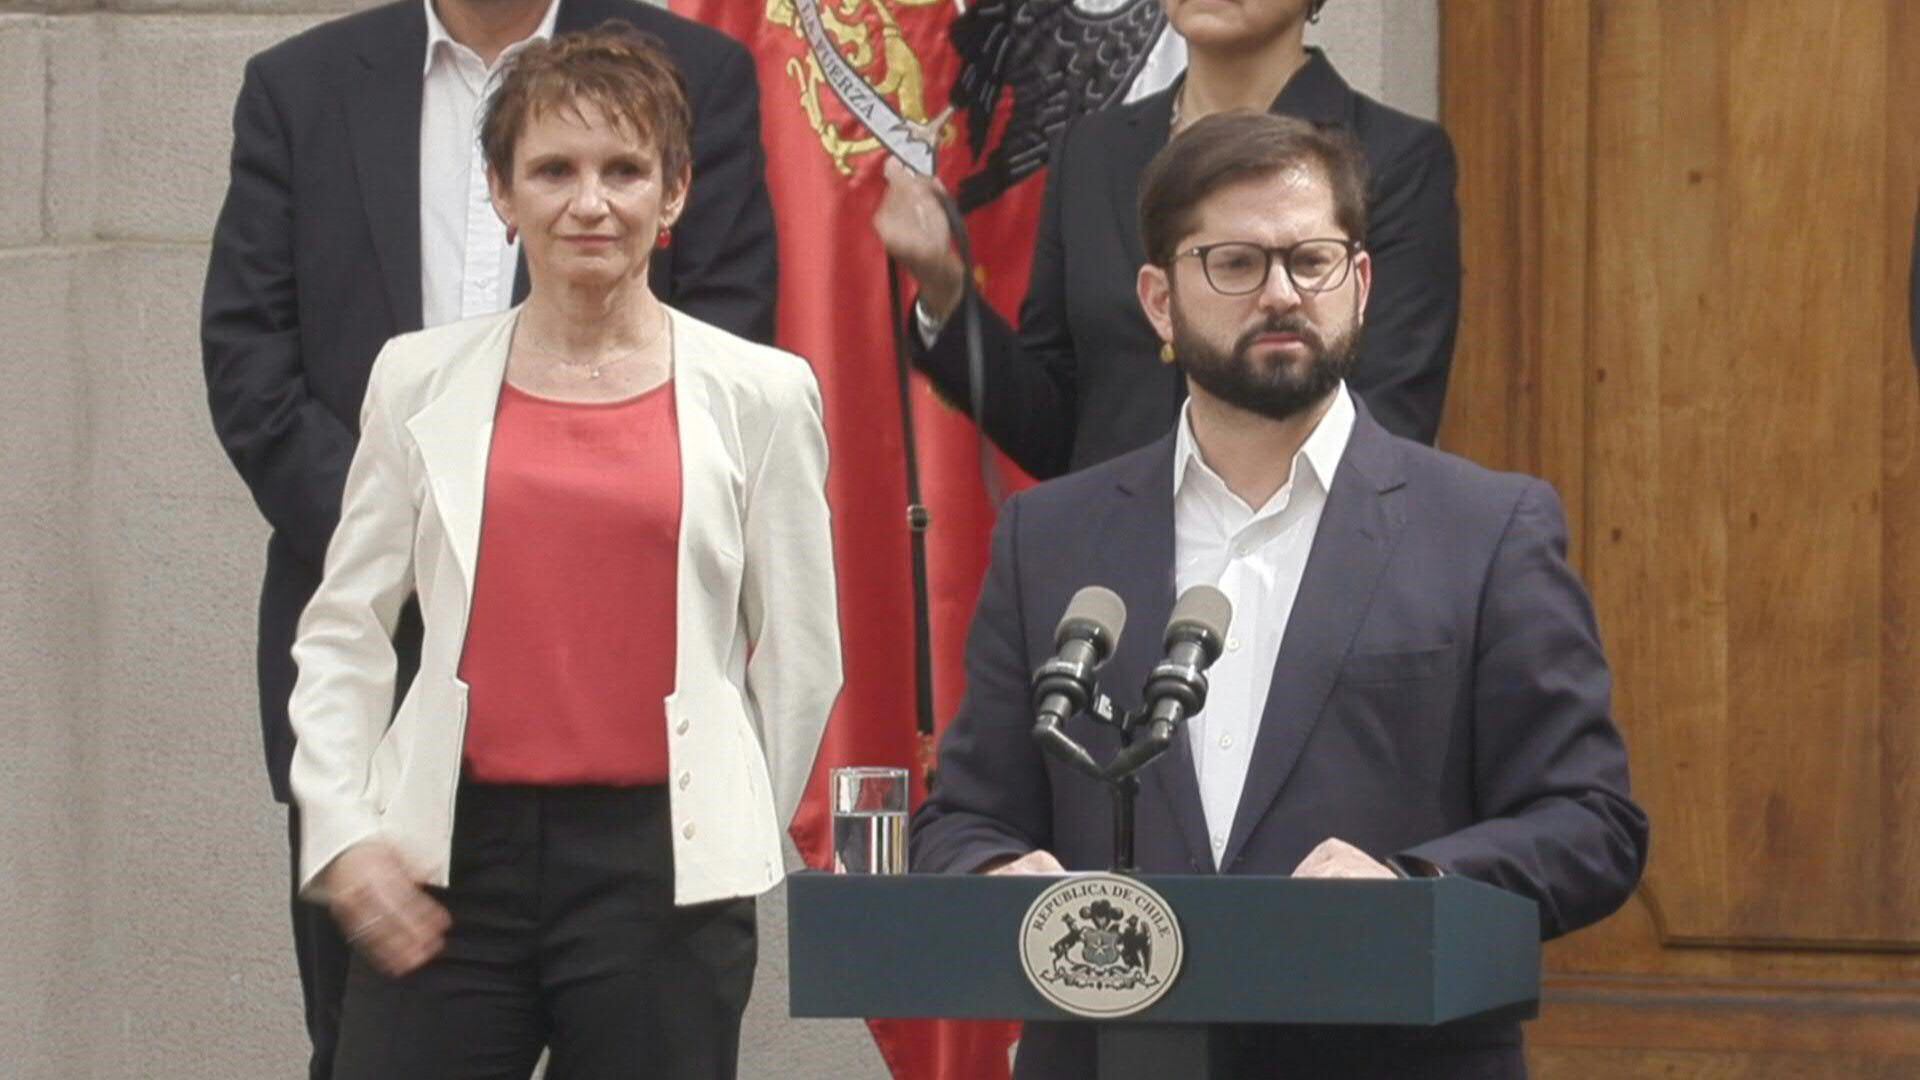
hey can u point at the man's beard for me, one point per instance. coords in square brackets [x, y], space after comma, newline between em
[1280, 390]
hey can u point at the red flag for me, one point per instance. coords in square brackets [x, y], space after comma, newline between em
[825, 175]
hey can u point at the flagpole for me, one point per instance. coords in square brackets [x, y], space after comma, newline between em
[919, 519]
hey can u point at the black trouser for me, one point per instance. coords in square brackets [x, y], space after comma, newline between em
[323, 955]
[564, 935]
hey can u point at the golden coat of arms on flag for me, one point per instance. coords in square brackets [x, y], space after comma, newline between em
[857, 48]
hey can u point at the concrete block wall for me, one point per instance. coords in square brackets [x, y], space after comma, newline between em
[45, 625]
[1386, 49]
[143, 923]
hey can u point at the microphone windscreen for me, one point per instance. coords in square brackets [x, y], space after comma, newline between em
[1095, 612]
[1202, 608]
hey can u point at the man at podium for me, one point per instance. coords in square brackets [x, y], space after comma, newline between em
[1412, 682]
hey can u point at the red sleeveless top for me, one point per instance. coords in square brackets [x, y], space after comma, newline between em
[570, 645]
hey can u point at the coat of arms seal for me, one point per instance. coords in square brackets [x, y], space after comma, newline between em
[1100, 945]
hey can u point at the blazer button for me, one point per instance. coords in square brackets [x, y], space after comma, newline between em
[685, 779]
[687, 830]
[680, 728]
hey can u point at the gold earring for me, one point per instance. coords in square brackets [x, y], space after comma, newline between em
[1166, 352]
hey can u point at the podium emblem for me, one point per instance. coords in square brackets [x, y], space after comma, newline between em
[1100, 945]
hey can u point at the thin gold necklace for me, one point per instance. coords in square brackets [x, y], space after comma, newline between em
[596, 368]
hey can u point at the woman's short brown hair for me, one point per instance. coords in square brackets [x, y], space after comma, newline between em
[623, 72]
[1229, 147]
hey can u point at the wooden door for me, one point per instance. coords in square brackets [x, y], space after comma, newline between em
[1688, 231]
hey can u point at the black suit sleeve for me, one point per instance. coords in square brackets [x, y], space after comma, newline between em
[1556, 822]
[1029, 399]
[725, 265]
[291, 451]
[1413, 235]
[992, 797]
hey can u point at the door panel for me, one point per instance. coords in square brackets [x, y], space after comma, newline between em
[1688, 229]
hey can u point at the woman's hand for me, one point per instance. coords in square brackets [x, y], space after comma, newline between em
[382, 909]
[913, 228]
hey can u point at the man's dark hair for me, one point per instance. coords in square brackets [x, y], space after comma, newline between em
[1230, 147]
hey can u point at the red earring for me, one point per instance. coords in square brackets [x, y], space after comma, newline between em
[665, 239]
[512, 234]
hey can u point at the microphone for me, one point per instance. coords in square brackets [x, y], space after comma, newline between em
[1086, 636]
[1177, 686]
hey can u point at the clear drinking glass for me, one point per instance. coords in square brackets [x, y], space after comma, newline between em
[869, 820]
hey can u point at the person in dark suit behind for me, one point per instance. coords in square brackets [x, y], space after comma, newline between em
[357, 210]
[1082, 380]
[1412, 682]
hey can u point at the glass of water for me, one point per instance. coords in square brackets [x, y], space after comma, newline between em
[869, 820]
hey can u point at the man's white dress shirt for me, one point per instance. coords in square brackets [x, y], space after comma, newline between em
[1255, 557]
[466, 264]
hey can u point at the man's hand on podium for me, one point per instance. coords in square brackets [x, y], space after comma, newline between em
[1033, 862]
[1335, 858]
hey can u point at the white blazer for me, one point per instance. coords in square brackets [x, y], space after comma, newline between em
[757, 666]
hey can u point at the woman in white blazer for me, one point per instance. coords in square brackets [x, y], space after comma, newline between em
[614, 518]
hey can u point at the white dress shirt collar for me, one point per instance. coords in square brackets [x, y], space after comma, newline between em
[437, 36]
[1326, 444]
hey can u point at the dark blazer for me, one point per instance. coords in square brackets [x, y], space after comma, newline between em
[1081, 381]
[1440, 693]
[316, 263]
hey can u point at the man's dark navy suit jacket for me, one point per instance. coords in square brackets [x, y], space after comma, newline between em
[1440, 693]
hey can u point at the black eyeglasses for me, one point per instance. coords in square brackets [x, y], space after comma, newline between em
[1239, 267]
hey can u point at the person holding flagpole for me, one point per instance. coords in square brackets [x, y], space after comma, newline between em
[1084, 378]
